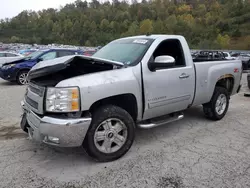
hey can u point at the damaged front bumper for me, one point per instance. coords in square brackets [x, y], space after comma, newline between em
[54, 131]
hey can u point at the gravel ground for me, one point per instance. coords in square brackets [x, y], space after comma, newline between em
[193, 152]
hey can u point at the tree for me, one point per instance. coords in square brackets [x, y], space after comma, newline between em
[223, 41]
[87, 43]
[14, 39]
[104, 26]
[204, 23]
[146, 26]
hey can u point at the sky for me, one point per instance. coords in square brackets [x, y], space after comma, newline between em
[11, 8]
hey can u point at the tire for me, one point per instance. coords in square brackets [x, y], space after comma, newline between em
[24, 124]
[103, 119]
[21, 75]
[209, 109]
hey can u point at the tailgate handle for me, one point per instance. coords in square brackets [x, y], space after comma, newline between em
[183, 75]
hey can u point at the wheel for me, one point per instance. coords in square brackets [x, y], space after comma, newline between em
[218, 105]
[244, 66]
[110, 135]
[22, 77]
[24, 124]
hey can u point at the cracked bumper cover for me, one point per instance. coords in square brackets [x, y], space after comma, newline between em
[70, 132]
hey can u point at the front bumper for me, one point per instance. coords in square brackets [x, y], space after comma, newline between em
[54, 131]
[9, 75]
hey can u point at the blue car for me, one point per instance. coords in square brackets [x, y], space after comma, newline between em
[16, 71]
[26, 51]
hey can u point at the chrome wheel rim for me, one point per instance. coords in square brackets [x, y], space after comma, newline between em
[110, 135]
[23, 78]
[221, 104]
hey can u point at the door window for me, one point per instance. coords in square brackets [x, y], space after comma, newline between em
[171, 47]
[49, 55]
[65, 53]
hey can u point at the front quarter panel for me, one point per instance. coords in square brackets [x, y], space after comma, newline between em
[101, 85]
[26, 65]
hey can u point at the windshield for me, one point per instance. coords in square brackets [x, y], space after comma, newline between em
[126, 51]
[34, 55]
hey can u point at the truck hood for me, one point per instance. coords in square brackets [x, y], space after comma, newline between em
[49, 67]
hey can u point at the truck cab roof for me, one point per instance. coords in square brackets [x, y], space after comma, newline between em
[154, 36]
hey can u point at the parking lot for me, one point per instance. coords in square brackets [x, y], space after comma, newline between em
[193, 152]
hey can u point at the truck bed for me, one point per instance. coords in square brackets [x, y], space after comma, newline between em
[207, 60]
[208, 72]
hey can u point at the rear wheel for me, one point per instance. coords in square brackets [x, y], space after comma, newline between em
[217, 108]
[110, 135]
[22, 77]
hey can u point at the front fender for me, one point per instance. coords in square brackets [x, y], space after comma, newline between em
[25, 65]
[101, 85]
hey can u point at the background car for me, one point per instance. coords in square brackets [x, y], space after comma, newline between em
[26, 52]
[208, 56]
[6, 56]
[228, 56]
[89, 52]
[18, 70]
[9, 54]
[245, 58]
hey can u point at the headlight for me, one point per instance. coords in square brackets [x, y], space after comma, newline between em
[63, 99]
[8, 66]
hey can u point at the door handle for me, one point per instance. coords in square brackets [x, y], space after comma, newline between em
[183, 75]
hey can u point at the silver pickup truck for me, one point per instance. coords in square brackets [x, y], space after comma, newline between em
[141, 81]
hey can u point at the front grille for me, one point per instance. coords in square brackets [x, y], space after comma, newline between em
[36, 89]
[34, 97]
[31, 102]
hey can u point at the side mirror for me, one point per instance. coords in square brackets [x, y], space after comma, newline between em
[162, 62]
[39, 59]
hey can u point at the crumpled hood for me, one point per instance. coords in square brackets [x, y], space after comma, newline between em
[54, 65]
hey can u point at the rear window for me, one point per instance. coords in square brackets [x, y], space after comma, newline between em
[10, 55]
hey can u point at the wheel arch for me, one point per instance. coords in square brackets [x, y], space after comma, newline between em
[20, 70]
[126, 101]
[226, 81]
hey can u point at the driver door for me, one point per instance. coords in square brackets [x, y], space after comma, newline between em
[169, 89]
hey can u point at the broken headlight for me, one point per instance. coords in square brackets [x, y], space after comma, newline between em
[63, 99]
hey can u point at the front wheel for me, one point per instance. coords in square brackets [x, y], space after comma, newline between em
[111, 133]
[22, 77]
[217, 108]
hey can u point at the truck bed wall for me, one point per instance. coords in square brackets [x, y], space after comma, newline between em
[207, 75]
